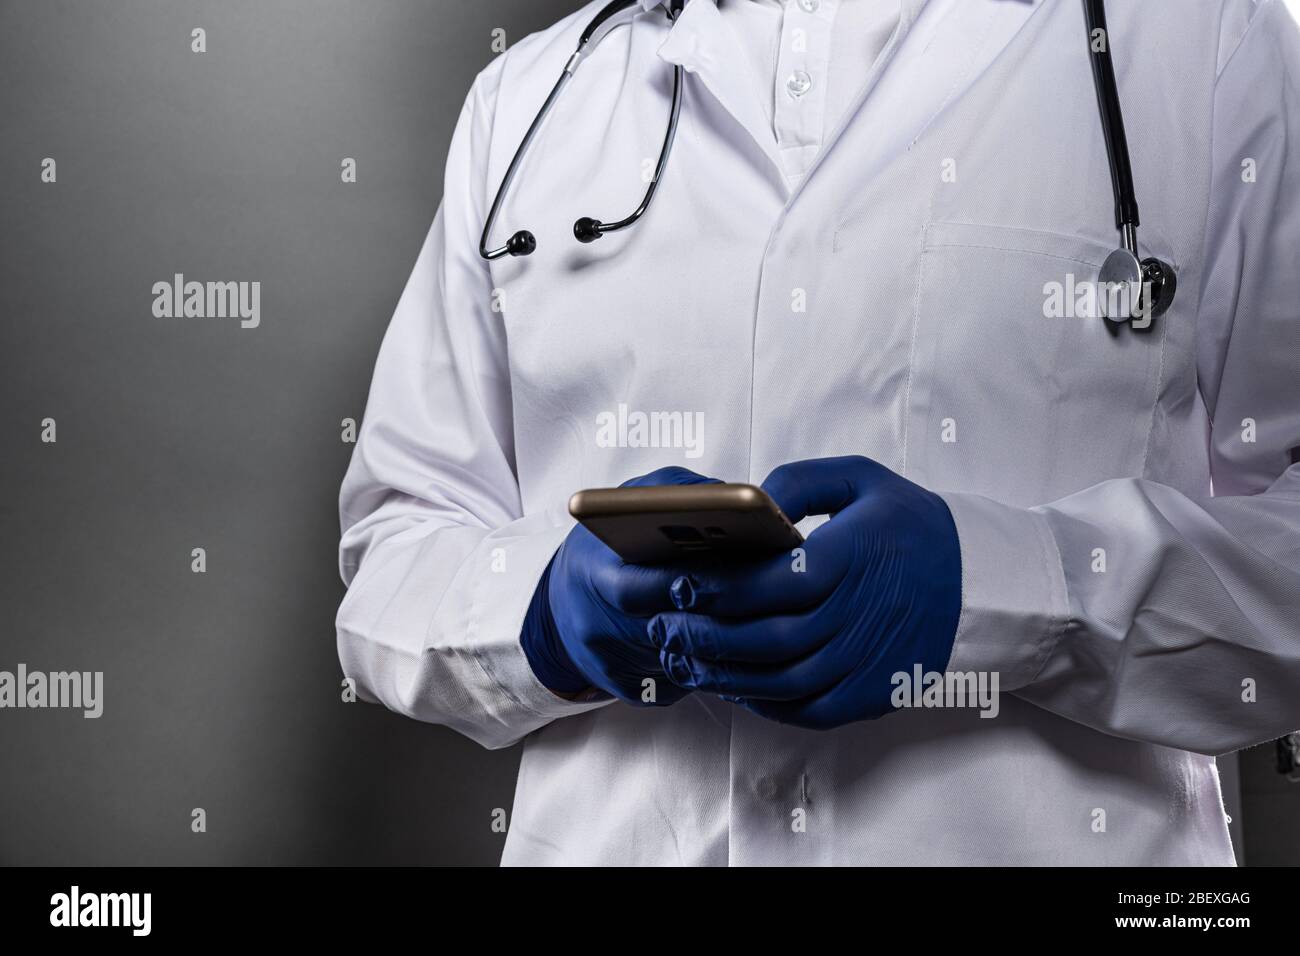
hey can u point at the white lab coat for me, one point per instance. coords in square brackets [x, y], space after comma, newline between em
[1138, 624]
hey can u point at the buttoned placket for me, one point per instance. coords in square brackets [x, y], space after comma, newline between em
[774, 773]
[703, 44]
[769, 781]
[802, 70]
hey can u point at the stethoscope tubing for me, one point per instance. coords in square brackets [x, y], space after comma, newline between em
[1124, 264]
[1127, 218]
[669, 136]
[513, 168]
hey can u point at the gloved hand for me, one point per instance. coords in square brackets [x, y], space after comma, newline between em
[586, 626]
[818, 648]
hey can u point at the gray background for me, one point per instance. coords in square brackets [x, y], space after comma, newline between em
[222, 689]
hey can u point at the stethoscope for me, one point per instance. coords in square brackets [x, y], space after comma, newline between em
[1150, 283]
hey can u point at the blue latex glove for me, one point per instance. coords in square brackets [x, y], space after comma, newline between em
[881, 592]
[586, 626]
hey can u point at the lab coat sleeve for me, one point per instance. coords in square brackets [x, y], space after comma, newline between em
[1189, 634]
[439, 561]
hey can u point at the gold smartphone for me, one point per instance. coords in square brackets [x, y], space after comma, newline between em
[662, 524]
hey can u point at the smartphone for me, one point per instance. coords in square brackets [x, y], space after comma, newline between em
[662, 524]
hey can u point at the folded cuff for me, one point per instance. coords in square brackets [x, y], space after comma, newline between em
[513, 568]
[1014, 599]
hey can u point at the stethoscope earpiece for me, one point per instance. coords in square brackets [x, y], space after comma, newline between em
[587, 229]
[522, 243]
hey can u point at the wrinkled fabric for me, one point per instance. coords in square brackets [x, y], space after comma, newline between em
[1128, 508]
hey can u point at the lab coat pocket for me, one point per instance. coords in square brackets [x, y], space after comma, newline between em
[1016, 389]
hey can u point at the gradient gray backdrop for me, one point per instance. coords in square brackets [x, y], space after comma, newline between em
[222, 689]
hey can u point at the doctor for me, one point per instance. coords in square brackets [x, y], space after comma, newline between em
[859, 275]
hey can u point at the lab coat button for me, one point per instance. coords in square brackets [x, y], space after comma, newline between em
[766, 788]
[798, 84]
[810, 6]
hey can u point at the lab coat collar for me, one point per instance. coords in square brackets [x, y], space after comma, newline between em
[925, 71]
[910, 7]
[703, 43]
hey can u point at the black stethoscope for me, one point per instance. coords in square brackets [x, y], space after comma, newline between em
[1150, 283]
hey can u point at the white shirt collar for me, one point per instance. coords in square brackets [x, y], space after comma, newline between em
[910, 7]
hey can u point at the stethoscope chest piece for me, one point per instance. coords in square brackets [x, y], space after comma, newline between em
[1121, 266]
[1119, 278]
[1134, 292]
[1162, 281]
